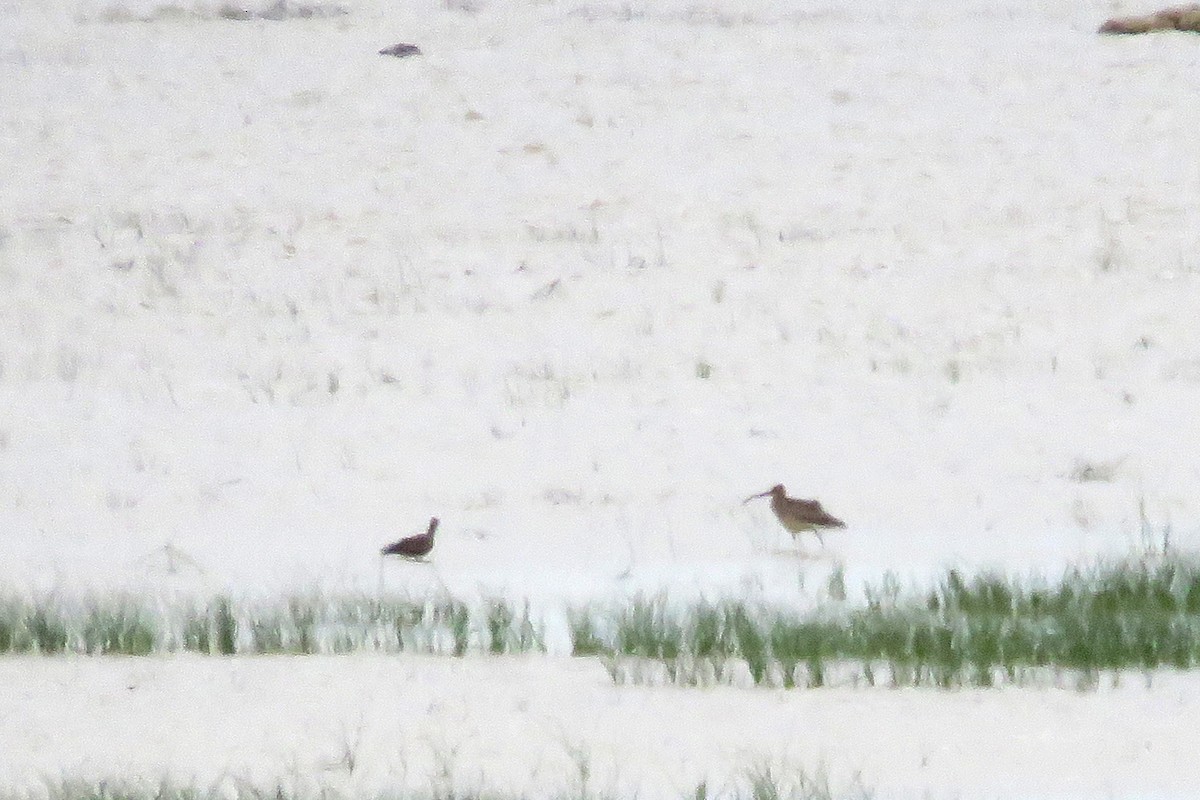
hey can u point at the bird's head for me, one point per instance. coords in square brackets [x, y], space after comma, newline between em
[775, 491]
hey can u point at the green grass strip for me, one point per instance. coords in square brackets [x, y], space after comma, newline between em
[759, 782]
[304, 624]
[976, 630]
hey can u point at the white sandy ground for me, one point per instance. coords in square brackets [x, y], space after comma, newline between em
[515, 725]
[274, 300]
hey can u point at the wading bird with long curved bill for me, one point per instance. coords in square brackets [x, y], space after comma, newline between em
[799, 516]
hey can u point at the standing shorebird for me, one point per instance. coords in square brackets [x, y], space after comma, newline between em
[414, 548]
[798, 516]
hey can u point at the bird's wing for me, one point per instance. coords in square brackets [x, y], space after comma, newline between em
[816, 511]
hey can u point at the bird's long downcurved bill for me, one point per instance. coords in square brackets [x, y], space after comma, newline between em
[756, 496]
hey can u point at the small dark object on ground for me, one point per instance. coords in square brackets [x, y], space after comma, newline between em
[401, 50]
[413, 547]
[1177, 18]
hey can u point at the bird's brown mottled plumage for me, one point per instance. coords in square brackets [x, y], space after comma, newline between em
[413, 547]
[799, 516]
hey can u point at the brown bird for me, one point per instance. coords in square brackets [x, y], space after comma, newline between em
[414, 548]
[798, 516]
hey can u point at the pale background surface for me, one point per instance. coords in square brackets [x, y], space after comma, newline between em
[274, 300]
